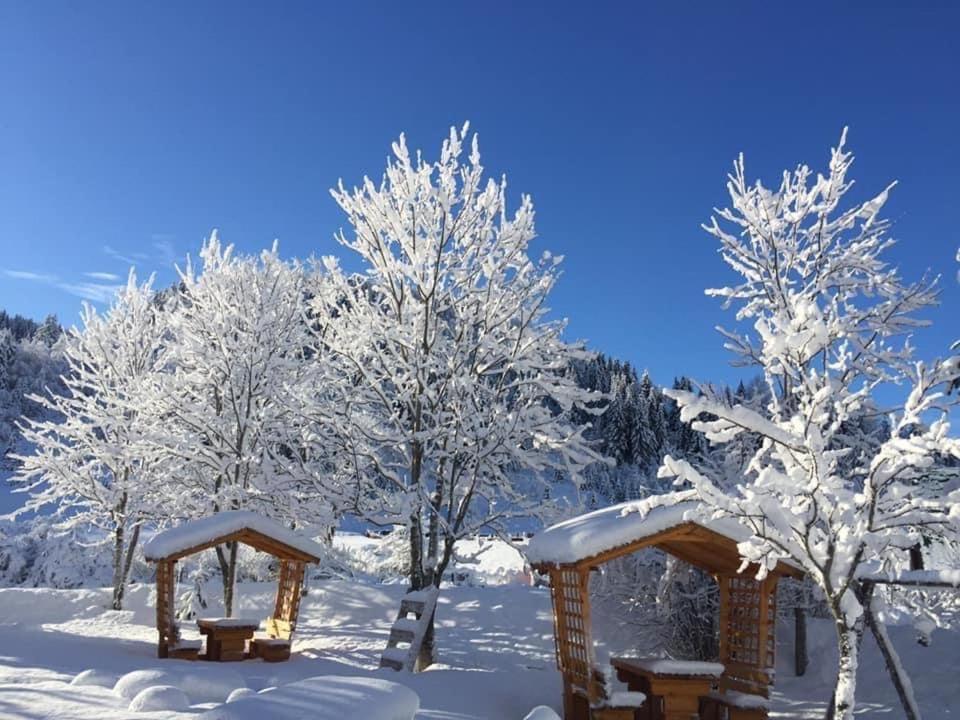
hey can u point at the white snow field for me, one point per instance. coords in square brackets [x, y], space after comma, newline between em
[62, 655]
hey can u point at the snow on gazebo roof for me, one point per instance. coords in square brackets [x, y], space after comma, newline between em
[587, 536]
[201, 533]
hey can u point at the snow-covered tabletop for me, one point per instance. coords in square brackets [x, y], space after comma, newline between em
[675, 668]
[678, 682]
[239, 623]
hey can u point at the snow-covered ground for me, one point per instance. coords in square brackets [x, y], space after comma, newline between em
[497, 652]
[496, 655]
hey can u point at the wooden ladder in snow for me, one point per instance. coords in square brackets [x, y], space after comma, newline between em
[406, 635]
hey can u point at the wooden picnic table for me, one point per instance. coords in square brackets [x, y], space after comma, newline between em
[227, 637]
[673, 687]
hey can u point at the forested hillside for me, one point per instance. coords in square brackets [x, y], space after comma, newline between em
[637, 426]
[640, 425]
[30, 363]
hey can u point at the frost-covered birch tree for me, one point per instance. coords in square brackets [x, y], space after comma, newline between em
[89, 460]
[441, 372]
[828, 323]
[237, 343]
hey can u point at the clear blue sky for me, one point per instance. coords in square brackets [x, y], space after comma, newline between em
[128, 130]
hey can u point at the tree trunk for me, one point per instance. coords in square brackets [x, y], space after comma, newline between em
[118, 535]
[898, 676]
[420, 576]
[916, 563]
[227, 558]
[416, 552]
[234, 548]
[120, 584]
[843, 696]
[417, 580]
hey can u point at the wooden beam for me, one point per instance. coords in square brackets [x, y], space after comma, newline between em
[254, 539]
[703, 541]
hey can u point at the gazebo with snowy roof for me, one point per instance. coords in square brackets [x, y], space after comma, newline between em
[292, 549]
[683, 527]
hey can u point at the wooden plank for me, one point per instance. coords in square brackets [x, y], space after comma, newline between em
[596, 690]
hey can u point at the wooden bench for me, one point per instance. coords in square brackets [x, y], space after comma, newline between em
[175, 646]
[185, 649]
[615, 705]
[270, 649]
[733, 705]
[742, 694]
[276, 646]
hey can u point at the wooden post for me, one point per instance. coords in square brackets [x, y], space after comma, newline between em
[799, 641]
[595, 690]
[296, 591]
[916, 557]
[165, 607]
[724, 621]
[161, 612]
[282, 579]
[766, 632]
[571, 615]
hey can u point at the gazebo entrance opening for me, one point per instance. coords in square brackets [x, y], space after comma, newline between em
[231, 638]
[736, 686]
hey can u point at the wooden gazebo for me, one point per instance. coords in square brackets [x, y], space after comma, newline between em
[293, 551]
[682, 527]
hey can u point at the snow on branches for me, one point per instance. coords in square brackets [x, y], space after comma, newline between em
[90, 460]
[442, 372]
[237, 344]
[831, 322]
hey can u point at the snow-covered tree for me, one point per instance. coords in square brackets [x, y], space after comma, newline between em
[49, 331]
[224, 417]
[831, 321]
[88, 459]
[10, 407]
[442, 375]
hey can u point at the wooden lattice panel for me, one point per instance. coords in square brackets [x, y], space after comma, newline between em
[748, 610]
[568, 588]
[289, 590]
